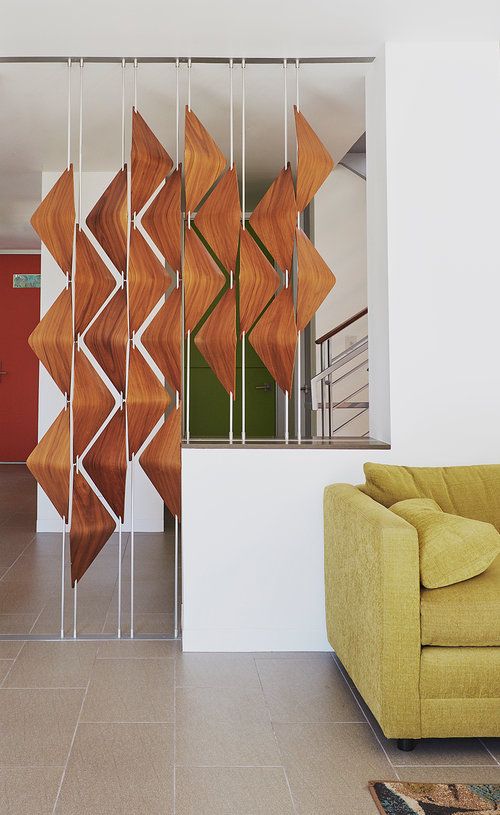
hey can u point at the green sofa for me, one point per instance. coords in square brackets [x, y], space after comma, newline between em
[426, 661]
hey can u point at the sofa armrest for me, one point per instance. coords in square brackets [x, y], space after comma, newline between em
[372, 587]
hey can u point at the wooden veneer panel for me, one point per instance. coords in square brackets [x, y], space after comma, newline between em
[150, 162]
[218, 219]
[161, 461]
[258, 281]
[274, 338]
[54, 220]
[52, 341]
[162, 220]
[93, 282]
[203, 280]
[274, 218]
[314, 162]
[147, 401]
[49, 463]
[314, 280]
[148, 280]
[106, 463]
[108, 220]
[216, 340]
[91, 527]
[163, 339]
[92, 403]
[203, 161]
[107, 339]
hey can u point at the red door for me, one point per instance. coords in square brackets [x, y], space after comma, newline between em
[19, 314]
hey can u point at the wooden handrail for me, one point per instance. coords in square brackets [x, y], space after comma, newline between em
[340, 327]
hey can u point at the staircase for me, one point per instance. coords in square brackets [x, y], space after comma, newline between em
[339, 392]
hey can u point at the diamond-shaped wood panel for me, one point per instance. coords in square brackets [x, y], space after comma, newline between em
[107, 339]
[274, 219]
[203, 280]
[49, 463]
[258, 281]
[203, 161]
[219, 219]
[161, 461]
[108, 220]
[274, 338]
[93, 282]
[91, 527]
[216, 340]
[52, 341]
[314, 280]
[150, 162]
[92, 403]
[148, 280]
[106, 463]
[162, 220]
[314, 162]
[54, 220]
[163, 339]
[147, 401]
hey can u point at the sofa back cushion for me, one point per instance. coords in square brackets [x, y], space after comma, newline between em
[472, 492]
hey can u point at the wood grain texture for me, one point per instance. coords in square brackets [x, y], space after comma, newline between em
[150, 162]
[92, 403]
[274, 339]
[148, 280]
[106, 463]
[147, 401]
[108, 220]
[258, 281]
[161, 461]
[216, 340]
[163, 339]
[52, 341]
[219, 219]
[274, 219]
[93, 282]
[162, 220]
[314, 280]
[54, 220]
[107, 339]
[203, 280]
[91, 527]
[49, 463]
[314, 162]
[203, 161]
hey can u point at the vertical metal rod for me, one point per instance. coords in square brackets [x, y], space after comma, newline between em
[285, 117]
[188, 383]
[243, 180]
[123, 113]
[329, 392]
[176, 578]
[132, 542]
[63, 558]
[189, 84]
[287, 434]
[119, 625]
[323, 366]
[297, 84]
[69, 114]
[176, 114]
[80, 149]
[231, 130]
[75, 606]
[243, 389]
[231, 412]
[135, 84]
[299, 393]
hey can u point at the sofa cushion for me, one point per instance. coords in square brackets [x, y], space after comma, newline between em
[451, 548]
[473, 492]
[466, 613]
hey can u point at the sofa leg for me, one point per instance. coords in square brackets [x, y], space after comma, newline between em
[407, 744]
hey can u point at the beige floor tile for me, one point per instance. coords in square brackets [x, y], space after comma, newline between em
[17, 624]
[53, 665]
[37, 726]
[119, 769]
[29, 790]
[439, 752]
[90, 617]
[22, 597]
[232, 791]
[232, 704]
[130, 690]
[5, 667]
[216, 670]
[451, 775]
[329, 765]
[9, 649]
[143, 623]
[307, 690]
[138, 649]
[325, 655]
[493, 745]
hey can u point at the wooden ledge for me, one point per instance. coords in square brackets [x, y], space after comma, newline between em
[344, 443]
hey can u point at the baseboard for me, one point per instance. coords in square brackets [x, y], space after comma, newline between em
[232, 640]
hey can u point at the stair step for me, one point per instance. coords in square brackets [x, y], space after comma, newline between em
[345, 406]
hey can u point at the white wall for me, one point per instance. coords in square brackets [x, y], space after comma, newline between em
[253, 543]
[148, 506]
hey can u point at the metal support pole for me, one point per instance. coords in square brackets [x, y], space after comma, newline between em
[119, 626]
[299, 392]
[243, 389]
[63, 558]
[287, 434]
[132, 548]
[176, 578]
[188, 383]
[75, 606]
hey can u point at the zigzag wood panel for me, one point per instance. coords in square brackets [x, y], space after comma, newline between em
[92, 403]
[203, 161]
[91, 527]
[314, 280]
[161, 461]
[274, 218]
[150, 162]
[203, 280]
[163, 339]
[148, 280]
[147, 401]
[93, 282]
[217, 339]
[49, 463]
[162, 220]
[218, 219]
[108, 220]
[258, 281]
[107, 339]
[106, 463]
[52, 341]
[314, 162]
[54, 220]
[274, 339]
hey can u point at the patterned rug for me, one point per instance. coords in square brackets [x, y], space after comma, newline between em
[407, 798]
